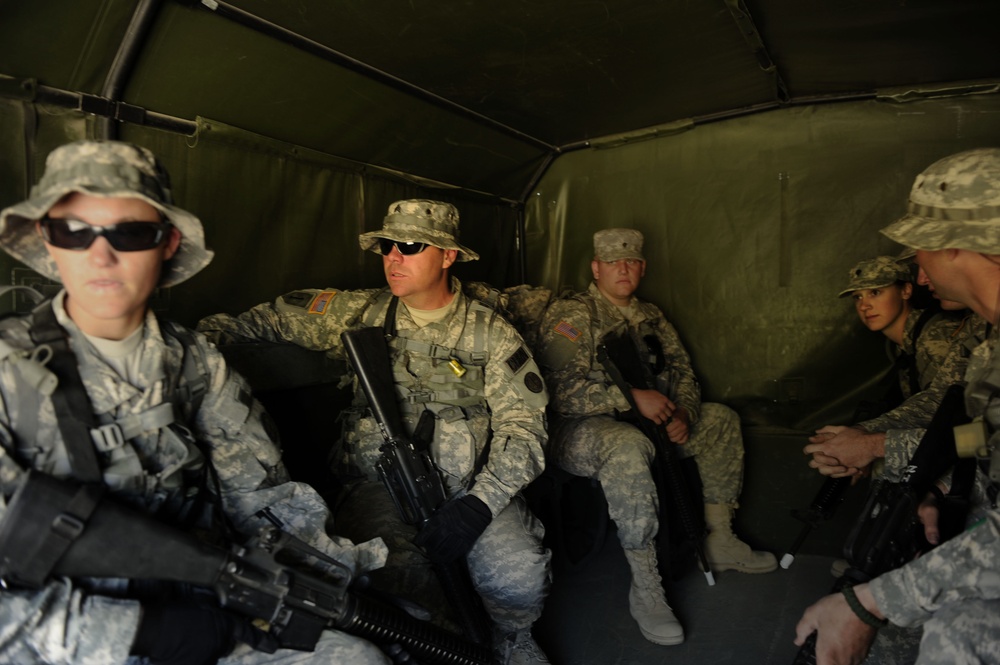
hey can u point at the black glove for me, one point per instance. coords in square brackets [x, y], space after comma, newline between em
[193, 634]
[454, 528]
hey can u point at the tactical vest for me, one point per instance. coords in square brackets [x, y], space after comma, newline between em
[643, 336]
[447, 385]
[32, 344]
[451, 387]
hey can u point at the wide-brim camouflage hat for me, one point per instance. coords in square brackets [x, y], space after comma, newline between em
[617, 244]
[876, 273]
[954, 204]
[420, 220]
[106, 169]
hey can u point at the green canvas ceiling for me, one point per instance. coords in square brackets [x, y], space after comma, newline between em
[481, 96]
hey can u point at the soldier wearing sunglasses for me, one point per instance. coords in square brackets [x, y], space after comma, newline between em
[459, 367]
[167, 417]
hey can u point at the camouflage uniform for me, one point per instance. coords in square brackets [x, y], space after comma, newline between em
[904, 425]
[954, 590]
[489, 429]
[589, 440]
[68, 622]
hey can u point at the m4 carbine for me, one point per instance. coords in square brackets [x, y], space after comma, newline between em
[62, 528]
[620, 358]
[409, 474]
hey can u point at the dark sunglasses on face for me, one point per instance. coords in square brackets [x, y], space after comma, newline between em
[124, 236]
[405, 248]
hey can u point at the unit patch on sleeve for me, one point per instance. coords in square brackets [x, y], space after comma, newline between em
[533, 382]
[567, 331]
[320, 302]
[298, 299]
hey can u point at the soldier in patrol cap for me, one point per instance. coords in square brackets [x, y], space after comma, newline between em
[168, 414]
[460, 364]
[928, 348]
[953, 221]
[591, 438]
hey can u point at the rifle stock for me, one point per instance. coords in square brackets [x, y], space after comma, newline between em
[620, 358]
[409, 475]
[275, 577]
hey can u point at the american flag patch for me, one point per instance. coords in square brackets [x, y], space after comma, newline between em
[320, 302]
[567, 331]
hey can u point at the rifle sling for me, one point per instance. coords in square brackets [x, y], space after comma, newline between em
[70, 401]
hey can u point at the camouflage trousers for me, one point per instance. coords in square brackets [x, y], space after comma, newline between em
[509, 565]
[618, 455]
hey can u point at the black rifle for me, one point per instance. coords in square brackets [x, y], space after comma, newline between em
[275, 577]
[409, 474]
[620, 357]
[888, 532]
[824, 505]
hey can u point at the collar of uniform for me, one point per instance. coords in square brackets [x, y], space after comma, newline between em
[108, 390]
[611, 312]
[908, 346]
[404, 320]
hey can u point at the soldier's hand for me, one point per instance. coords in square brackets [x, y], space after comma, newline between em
[841, 637]
[678, 427]
[454, 528]
[843, 451]
[653, 405]
[929, 515]
[193, 633]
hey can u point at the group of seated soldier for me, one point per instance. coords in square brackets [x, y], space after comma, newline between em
[149, 411]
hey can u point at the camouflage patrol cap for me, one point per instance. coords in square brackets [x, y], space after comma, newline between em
[954, 203]
[615, 244]
[875, 274]
[420, 220]
[106, 169]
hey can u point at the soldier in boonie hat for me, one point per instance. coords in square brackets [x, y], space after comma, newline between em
[875, 273]
[954, 204]
[420, 220]
[615, 244]
[106, 169]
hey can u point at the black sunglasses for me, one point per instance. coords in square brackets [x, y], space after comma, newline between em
[124, 236]
[405, 248]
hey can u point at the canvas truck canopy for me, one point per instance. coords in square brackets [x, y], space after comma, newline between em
[758, 144]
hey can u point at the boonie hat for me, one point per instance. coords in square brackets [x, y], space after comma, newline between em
[420, 220]
[106, 169]
[875, 274]
[616, 244]
[954, 204]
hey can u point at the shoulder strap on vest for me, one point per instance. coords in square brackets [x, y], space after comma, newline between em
[194, 370]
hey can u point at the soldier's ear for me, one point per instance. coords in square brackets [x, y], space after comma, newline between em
[907, 291]
[595, 266]
[450, 256]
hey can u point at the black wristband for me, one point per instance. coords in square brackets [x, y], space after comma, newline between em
[859, 609]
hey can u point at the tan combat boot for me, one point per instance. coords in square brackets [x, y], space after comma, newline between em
[647, 602]
[727, 552]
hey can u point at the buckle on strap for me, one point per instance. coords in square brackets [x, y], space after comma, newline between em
[68, 526]
[107, 437]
